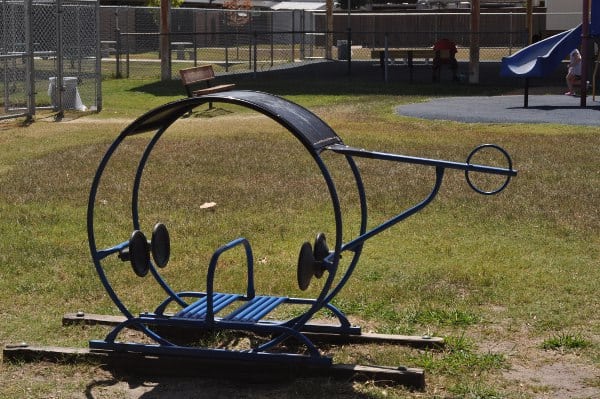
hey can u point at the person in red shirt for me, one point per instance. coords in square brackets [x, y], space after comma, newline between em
[445, 53]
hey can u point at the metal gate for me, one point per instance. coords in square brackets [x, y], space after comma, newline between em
[49, 56]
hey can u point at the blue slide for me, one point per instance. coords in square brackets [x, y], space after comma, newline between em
[541, 58]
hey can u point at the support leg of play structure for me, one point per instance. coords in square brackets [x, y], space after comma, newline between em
[597, 60]
[526, 94]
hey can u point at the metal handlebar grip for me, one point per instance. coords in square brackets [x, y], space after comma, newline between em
[508, 172]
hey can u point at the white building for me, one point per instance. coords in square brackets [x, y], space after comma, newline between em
[563, 14]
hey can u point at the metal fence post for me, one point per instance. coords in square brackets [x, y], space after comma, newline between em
[255, 51]
[98, 60]
[118, 53]
[293, 36]
[250, 56]
[349, 38]
[272, 39]
[303, 36]
[251, 47]
[60, 87]
[227, 57]
[29, 71]
[510, 35]
[195, 40]
[385, 57]
[127, 58]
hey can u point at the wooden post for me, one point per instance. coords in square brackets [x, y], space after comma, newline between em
[474, 48]
[329, 35]
[529, 21]
[165, 50]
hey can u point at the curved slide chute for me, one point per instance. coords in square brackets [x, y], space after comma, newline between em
[541, 58]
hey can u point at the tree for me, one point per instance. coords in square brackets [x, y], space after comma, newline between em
[355, 4]
[238, 19]
[156, 3]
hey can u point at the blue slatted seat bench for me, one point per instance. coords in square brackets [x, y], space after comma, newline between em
[198, 309]
[257, 308]
[252, 311]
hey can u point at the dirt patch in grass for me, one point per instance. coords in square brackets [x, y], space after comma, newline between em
[541, 373]
[554, 375]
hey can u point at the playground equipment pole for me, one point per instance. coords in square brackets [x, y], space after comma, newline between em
[529, 21]
[585, 36]
[474, 47]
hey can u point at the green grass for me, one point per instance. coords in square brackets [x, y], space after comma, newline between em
[566, 341]
[517, 270]
[132, 97]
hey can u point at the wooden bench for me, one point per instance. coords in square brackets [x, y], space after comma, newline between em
[204, 74]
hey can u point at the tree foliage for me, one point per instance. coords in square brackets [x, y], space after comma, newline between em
[156, 3]
[355, 4]
[238, 18]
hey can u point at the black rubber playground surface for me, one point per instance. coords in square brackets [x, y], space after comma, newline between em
[543, 107]
[507, 109]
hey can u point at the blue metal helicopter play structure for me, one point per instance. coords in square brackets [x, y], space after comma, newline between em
[247, 312]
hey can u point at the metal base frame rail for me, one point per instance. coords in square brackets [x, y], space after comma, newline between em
[197, 310]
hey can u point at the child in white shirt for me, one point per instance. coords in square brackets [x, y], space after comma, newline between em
[574, 72]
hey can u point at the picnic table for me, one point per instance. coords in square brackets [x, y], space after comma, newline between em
[409, 53]
[180, 48]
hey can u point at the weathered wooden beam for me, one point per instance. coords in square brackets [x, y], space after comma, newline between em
[186, 366]
[372, 338]
[328, 337]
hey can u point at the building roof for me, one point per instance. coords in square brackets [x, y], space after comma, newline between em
[314, 5]
[219, 3]
[300, 5]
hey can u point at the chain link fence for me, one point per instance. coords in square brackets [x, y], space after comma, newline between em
[49, 56]
[14, 65]
[232, 40]
[237, 41]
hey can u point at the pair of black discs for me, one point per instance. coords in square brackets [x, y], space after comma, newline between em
[311, 261]
[139, 249]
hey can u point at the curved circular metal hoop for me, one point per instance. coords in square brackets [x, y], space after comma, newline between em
[468, 161]
[314, 134]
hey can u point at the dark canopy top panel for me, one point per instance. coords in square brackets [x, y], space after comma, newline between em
[313, 132]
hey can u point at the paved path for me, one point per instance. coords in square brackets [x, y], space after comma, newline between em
[507, 109]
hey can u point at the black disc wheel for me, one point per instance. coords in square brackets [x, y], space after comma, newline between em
[306, 266]
[320, 252]
[160, 245]
[139, 254]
